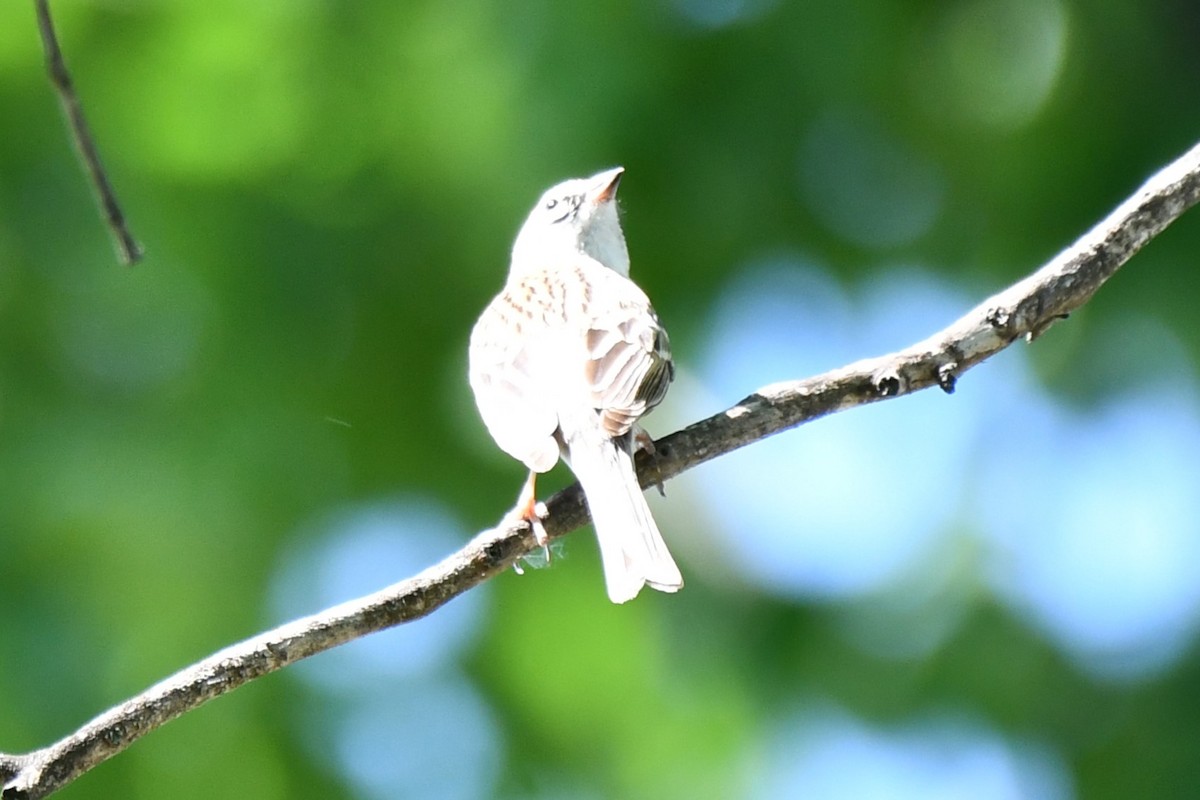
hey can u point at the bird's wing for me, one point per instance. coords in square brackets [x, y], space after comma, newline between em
[557, 339]
[629, 365]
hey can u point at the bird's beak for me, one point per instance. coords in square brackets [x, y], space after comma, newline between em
[604, 185]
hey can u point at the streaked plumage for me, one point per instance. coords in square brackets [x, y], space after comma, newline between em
[567, 358]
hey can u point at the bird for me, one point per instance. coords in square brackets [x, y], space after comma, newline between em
[565, 361]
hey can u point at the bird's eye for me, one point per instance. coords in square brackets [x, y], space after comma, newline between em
[563, 207]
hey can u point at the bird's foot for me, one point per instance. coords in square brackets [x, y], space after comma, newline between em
[644, 442]
[528, 509]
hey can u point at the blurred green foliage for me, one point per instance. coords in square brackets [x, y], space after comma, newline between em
[326, 192]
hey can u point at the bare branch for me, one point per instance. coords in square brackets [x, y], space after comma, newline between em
[127, 248]
[1026, 309]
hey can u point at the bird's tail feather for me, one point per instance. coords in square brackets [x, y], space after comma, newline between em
[631, 548]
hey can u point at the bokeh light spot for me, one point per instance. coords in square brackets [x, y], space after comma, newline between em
[826, 753]
[1095, 530]
[434, 738]
[846, 506]
[994, 63]
[244, 110]
[865, 184]
[721, 13]
[363, 549]
[1085, 518]
[132, 334]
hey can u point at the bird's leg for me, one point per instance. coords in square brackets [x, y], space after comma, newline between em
[528, 509]
[644, 442]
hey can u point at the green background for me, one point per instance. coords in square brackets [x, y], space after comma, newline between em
[327, 191]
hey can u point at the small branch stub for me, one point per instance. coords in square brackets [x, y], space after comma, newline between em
[946, 377]
[888, 384]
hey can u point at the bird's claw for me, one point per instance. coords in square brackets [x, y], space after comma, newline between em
[644, 442]
[532, 511]
[540, 512]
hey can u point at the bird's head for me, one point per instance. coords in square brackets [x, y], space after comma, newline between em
[576, 216]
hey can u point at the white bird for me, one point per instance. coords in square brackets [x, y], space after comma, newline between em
[566, 359]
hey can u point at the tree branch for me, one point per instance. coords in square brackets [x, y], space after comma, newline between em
[127, 247]
[1025, 309]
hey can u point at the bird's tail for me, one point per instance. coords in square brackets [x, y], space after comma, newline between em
[631, 547]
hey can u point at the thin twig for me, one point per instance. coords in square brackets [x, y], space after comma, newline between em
[128, 249]
[1026, 310]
